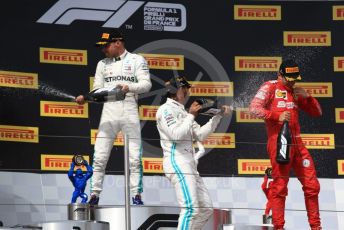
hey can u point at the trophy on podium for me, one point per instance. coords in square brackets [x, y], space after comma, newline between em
[79, 211]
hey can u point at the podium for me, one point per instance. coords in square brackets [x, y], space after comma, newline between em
[146, 217]
[64, 225]
[75, 224]
[21, 228]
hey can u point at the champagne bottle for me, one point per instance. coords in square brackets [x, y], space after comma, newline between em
[209, 107]
[105, 94]
[283, 144]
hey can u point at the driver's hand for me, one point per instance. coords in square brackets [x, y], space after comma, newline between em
[124, 88]
[194, 108]
[80, 99]
[298, 91]
[226, 110]
[285, 116]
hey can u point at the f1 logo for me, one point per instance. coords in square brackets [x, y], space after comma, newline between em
[115, 13]
[64, 12]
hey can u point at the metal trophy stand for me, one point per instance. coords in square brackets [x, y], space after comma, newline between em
[79, 211]
[127, 183]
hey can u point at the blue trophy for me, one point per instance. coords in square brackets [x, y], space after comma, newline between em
[79, 179]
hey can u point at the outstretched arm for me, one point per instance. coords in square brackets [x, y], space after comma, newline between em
[202, 132]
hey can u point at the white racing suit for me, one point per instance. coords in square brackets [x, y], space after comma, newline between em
[133, 71]
[178, 131]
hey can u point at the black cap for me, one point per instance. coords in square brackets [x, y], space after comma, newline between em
[176, 82]
[108, 37]
[290, 70]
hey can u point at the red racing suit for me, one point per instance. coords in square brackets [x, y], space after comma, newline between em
[271, 100]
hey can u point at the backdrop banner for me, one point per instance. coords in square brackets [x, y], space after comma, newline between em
[227, 49]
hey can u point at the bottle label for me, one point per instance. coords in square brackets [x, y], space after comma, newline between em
[283, 150]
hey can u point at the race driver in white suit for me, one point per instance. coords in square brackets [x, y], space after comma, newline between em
[178, 130]
[129, 72]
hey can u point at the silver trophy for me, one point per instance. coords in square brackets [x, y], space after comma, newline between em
[78, 160]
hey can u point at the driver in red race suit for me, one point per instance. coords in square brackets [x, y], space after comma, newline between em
[275, 102]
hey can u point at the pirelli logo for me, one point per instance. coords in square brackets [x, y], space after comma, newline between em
[318, 141]
[165, 61]
[220, 140]
[307, 38]
[257, 12]
[19, 79]
[340, 167]
[59, 162]
[148, 112]
[211, 88]
[63, 109]
[119, 140]
[317, 89]
[244, 116]
[253, 166]
[19, 133]
[338, 63]
[251, 63]
[339, 115]
[338, 12]
[63, 56]
[152, 165]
